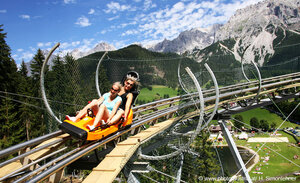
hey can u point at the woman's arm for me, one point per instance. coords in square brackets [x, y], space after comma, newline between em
[128, 105]
[100, 100]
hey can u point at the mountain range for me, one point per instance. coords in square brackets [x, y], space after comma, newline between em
[198, 38]
[252, 33]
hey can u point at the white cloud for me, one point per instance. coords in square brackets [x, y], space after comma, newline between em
[24, 56]
[114, 7]
[92, 11]
[168, 22]
[103, 31]
[66, 45]
[86, 45]
[148, 5]
[120, 43]
[75, 43]
[20, 50]
[113, 18]
[3, 11]
[69, 1]
[47, 44]
[130, 32]
[83, 21]
[27, 17]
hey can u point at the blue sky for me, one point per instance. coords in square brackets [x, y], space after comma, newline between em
[33, 24]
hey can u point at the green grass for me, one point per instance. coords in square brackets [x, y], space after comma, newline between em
[157, 92]
[278, 153]
[277, 165]
[263, 114]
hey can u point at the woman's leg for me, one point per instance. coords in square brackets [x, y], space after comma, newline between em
[83, 112]
[116, 117]
[102, 113]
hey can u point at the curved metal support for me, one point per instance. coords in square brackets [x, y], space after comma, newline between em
[178, 177]
[97, 74]
[42, 83]
[179, 78]
[216, 101]
[259, 83]
[188, 70]
[193, 136]
[259, 80]
[217, 95]
[167, 156]
[243, 71]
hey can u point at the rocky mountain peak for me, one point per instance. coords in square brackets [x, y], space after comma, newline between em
[188, 40]
[102, 46]
[254, 28]
[258, 16]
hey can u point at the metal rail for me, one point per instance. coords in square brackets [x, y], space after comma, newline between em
[143, 119]
[152, 105]
[74, 157]
[30, 143]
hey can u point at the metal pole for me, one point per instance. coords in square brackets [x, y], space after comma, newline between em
[234, 151]
[217, 95]
[97, 74]
[42, 83]
[29, 143]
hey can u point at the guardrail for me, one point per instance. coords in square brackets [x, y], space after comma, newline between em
[167, 108]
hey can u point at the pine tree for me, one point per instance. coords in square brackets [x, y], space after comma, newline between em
[9, 79]
[37, 126]
[203, 165]
[237, 122]
[56, 82]
[5, 60]
[73, 89]
[208, 163]
[8, 118]
[8, 67]
[25, 109]
[36, 67]
[254, 122]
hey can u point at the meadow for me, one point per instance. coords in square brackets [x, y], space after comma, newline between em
[157, 92]
[282, 161]
[264, 114]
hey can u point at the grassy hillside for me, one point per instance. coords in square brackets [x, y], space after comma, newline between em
[155, 92]
[263, 114]
[154, 68]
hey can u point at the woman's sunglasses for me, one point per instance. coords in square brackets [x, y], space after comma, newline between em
[114, 90]
[130, 84]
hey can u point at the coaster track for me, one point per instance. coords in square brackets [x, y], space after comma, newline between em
[62, 151]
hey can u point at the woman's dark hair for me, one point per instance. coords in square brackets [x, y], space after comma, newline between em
[133, 76]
